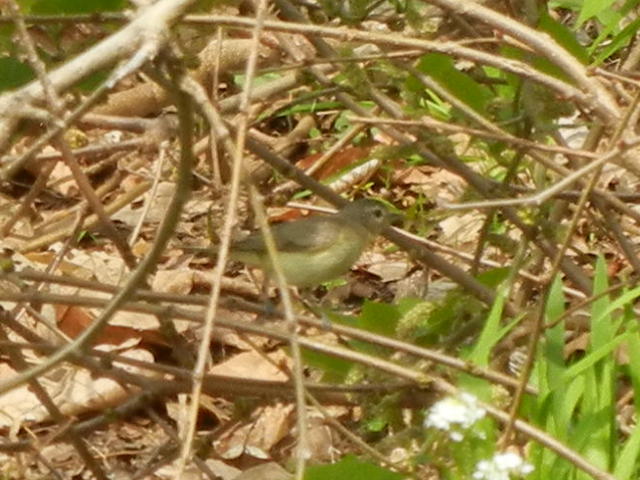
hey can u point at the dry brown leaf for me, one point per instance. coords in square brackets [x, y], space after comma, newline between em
[386, 267]
[321, 438]
[443, 186]
[169, 472]
[74, 390]
[338, 162]
[63, 454]
[67, 187]
[265, 471]
[461, 229]
[104, 267]
[253, 365]
[223, 470]
[173, 281]
[578, 344]
[414, 176]
[273, 423]
[131, 330]
[131, 214]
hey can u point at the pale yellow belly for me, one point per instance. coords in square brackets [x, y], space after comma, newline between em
[313, 268]
[307, 270]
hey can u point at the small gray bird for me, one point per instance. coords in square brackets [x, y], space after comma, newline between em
[319, 248]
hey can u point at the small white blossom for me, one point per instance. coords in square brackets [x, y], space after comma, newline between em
[455, 414]
[502, 466]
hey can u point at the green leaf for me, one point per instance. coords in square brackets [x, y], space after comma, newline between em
[601, 325]
[442, 69]
[92, 81]
[492, 278]
[574, 5]
[592, 8]
[565, 37]
[490, 333]
[311, 107]
[627, 465]
[7, 46]
[26, 5]
[240, 79]
[335, 369]
[566, 401]
[614, 20]
[67, 7]
[350, 468]
[596, 355]
[634, 365]
[603, 318]
[553, 347]
[620, 41]
[540, 63]
[381, 318]
[14, 73]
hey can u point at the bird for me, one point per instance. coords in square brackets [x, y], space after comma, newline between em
[320, 248]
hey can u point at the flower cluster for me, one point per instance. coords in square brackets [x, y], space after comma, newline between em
[455, 415]
[502, 467]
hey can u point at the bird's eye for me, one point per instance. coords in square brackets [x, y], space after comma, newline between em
[378, 213]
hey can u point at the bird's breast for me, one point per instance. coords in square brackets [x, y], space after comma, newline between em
[311, 268]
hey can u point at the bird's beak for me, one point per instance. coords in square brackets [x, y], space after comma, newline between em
[395, 219]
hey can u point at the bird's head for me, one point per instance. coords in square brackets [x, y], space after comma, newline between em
[372, 214]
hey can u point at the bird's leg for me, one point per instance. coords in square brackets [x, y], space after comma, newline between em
[269, 305]
[314, 308]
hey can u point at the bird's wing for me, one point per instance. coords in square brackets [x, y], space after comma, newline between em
[311, 234]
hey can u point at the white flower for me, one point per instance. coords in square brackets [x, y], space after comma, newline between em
[502, 466]
[455, 414]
